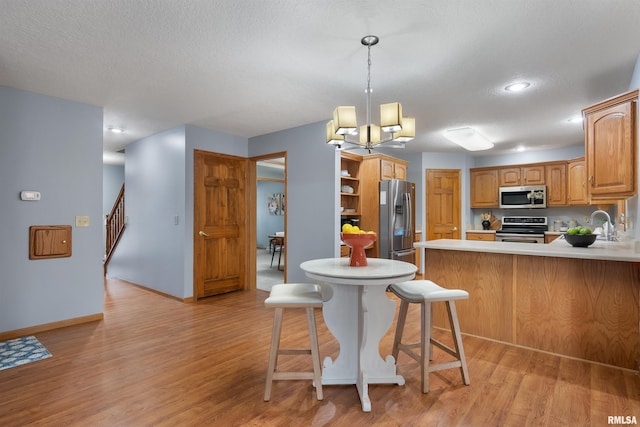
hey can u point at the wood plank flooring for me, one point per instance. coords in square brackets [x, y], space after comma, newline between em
[154, 361]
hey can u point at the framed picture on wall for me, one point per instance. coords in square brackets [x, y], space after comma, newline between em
[275, 203]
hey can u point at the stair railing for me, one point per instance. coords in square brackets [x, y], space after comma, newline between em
[115, 227]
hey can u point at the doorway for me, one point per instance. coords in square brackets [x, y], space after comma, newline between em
[270, 220]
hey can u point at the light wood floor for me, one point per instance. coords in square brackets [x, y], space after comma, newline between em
[154, 361]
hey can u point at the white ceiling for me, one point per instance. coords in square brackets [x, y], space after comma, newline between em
[257, 66]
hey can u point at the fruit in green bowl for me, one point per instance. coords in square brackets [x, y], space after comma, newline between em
[580, 240]
[579, 230]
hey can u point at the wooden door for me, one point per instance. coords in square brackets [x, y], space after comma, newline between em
[219, 229]
[443, 204]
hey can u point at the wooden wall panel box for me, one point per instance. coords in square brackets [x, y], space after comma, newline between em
[49, 241]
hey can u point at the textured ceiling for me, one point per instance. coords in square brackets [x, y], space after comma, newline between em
[257, 66]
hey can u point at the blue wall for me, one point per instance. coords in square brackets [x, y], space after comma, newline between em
[267, 223]
[55, 147]
[312, 193]
[156, 250]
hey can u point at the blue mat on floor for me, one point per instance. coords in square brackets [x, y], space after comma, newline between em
[21, 351]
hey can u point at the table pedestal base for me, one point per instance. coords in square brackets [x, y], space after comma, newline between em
[359, 333]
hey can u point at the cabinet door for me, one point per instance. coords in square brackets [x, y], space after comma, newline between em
[484, 188]
[577, 183]
[611, 149]
[556, 179]
[400, 171]
[386, 169]
[533, 175]
[509, 177]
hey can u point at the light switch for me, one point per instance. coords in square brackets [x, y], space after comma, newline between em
[82, 221]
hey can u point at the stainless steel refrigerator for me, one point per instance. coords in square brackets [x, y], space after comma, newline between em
[397, 222]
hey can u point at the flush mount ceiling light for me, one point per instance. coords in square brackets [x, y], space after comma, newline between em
[399, 129]
[517, 87]
[468, 138]
[115, 130]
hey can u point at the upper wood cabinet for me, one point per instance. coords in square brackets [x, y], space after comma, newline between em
[556, 179]
[611, 146]
[577, 183]
[484, 187]
[526, 175]
[393, 169]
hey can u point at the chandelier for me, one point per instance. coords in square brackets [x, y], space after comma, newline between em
[397, 129]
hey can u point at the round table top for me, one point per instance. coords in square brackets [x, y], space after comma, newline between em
[378, 271]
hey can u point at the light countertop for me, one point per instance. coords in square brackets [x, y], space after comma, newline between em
[628, 251]
[482, 231]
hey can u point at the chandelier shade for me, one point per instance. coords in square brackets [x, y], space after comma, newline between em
[332, 136]
[344, 124]
[391, 117]
[344, 120]
[408, 131]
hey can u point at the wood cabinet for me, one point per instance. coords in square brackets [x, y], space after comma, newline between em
[350, 185]
[611, 146]
[556, 180]
[526, 175]
[393, 169]
[487, 237]
[548, 238]
[484, 187]
[577, 194]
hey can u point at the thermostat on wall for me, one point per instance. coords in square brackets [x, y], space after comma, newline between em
[30, 195]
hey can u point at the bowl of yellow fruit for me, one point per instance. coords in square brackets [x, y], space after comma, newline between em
[357, 240]
[580, 237]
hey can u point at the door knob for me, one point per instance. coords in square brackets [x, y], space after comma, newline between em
[454, 229]
[203, 234]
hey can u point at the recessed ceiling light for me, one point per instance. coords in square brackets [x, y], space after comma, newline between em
[115, 130]
[575, 119]
[520, 148]
[517, 87]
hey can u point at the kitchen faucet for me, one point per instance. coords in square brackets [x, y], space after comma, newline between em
[607, 227]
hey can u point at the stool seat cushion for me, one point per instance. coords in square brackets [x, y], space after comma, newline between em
[296, 295]
[425, 290]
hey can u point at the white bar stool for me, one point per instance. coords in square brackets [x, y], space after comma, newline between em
[425, 292]
[295, 295]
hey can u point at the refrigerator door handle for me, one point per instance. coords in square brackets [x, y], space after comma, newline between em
[408, 225]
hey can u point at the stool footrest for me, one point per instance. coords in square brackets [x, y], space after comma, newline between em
[445, 348]
[294, 351]
[287, 375]
[433, 367]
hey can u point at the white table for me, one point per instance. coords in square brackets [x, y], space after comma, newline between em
[358, 315]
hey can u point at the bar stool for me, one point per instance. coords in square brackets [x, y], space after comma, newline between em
[295, 295]
[425, 292]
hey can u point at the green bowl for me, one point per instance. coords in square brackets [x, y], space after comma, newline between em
[580, 240]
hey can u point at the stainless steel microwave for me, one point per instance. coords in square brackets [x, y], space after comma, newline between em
[527, 197]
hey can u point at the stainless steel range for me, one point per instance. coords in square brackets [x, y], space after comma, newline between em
[522, 229]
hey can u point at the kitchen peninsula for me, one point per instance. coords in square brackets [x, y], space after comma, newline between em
[576, 302]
